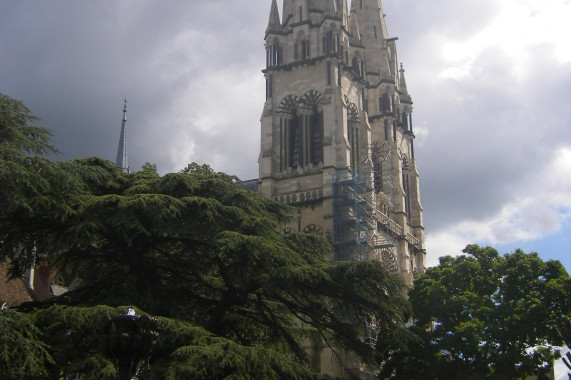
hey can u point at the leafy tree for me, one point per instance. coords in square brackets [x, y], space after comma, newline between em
[565, 332]
[195, 248]
[22, 148]
[23, 355]
[483, 316]
[30, 181]
[182, 351]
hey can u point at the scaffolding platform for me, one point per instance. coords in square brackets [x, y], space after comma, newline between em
[352, 216]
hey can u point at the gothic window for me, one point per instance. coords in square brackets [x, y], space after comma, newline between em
[288, 122]
[316, 137]
[301, 47]
[387, 130]
[304, 49]
[325, 43]
[314, 126]
[295, 144]
[274, 54]
[358, 65]
[269, 87]
[301, 131]
[406, 188]
[295, 53]
[384, 103]
[353, 135]
[330, 43]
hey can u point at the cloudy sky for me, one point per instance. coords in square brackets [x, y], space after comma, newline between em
[490, 80]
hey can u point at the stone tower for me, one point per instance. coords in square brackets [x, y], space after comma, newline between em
[337, 135]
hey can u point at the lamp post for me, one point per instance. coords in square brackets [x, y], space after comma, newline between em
[127, 339]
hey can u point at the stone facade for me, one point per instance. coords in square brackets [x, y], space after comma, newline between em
[337, 136]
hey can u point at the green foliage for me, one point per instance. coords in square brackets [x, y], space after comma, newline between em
[23, 354]
[192, 248]
[486, 316]
[197, 247]
[232, 361]
[68, 347]
[22, 147]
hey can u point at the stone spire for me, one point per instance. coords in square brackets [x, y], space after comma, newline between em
[354, 23]
[344, 13]
[274, 23]
[287, 13]
[373, 29]
[122, 149]
[402, 82]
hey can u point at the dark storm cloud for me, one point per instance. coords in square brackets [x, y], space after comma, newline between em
[489, 115]
[73, 62]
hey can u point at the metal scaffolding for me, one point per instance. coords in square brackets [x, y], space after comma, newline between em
[352, 216]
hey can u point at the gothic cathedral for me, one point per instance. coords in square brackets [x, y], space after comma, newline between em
[337, 137]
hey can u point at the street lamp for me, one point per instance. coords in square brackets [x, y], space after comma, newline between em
[127, 340]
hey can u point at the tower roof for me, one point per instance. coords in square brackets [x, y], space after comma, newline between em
[122, 161]
[402, 81]
[354, 24]
[274, 23]
[373, 30]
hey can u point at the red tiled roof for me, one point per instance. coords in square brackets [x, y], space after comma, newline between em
[13, 292]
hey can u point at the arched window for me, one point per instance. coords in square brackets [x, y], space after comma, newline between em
[385, 103]
[353, 135]
[274, 54]
[301, 48]
[314, 126]
[317, 138]
[289, 135]
[301, 131]
[358, 65]
[330, 42]
[295, 144]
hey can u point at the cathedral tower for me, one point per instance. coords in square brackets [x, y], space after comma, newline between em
[337, 134]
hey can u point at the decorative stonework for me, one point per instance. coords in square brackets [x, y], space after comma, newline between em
[300, 197]
[313, 229]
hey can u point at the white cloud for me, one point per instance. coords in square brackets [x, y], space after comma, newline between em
[541, 202]
[517, 26]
